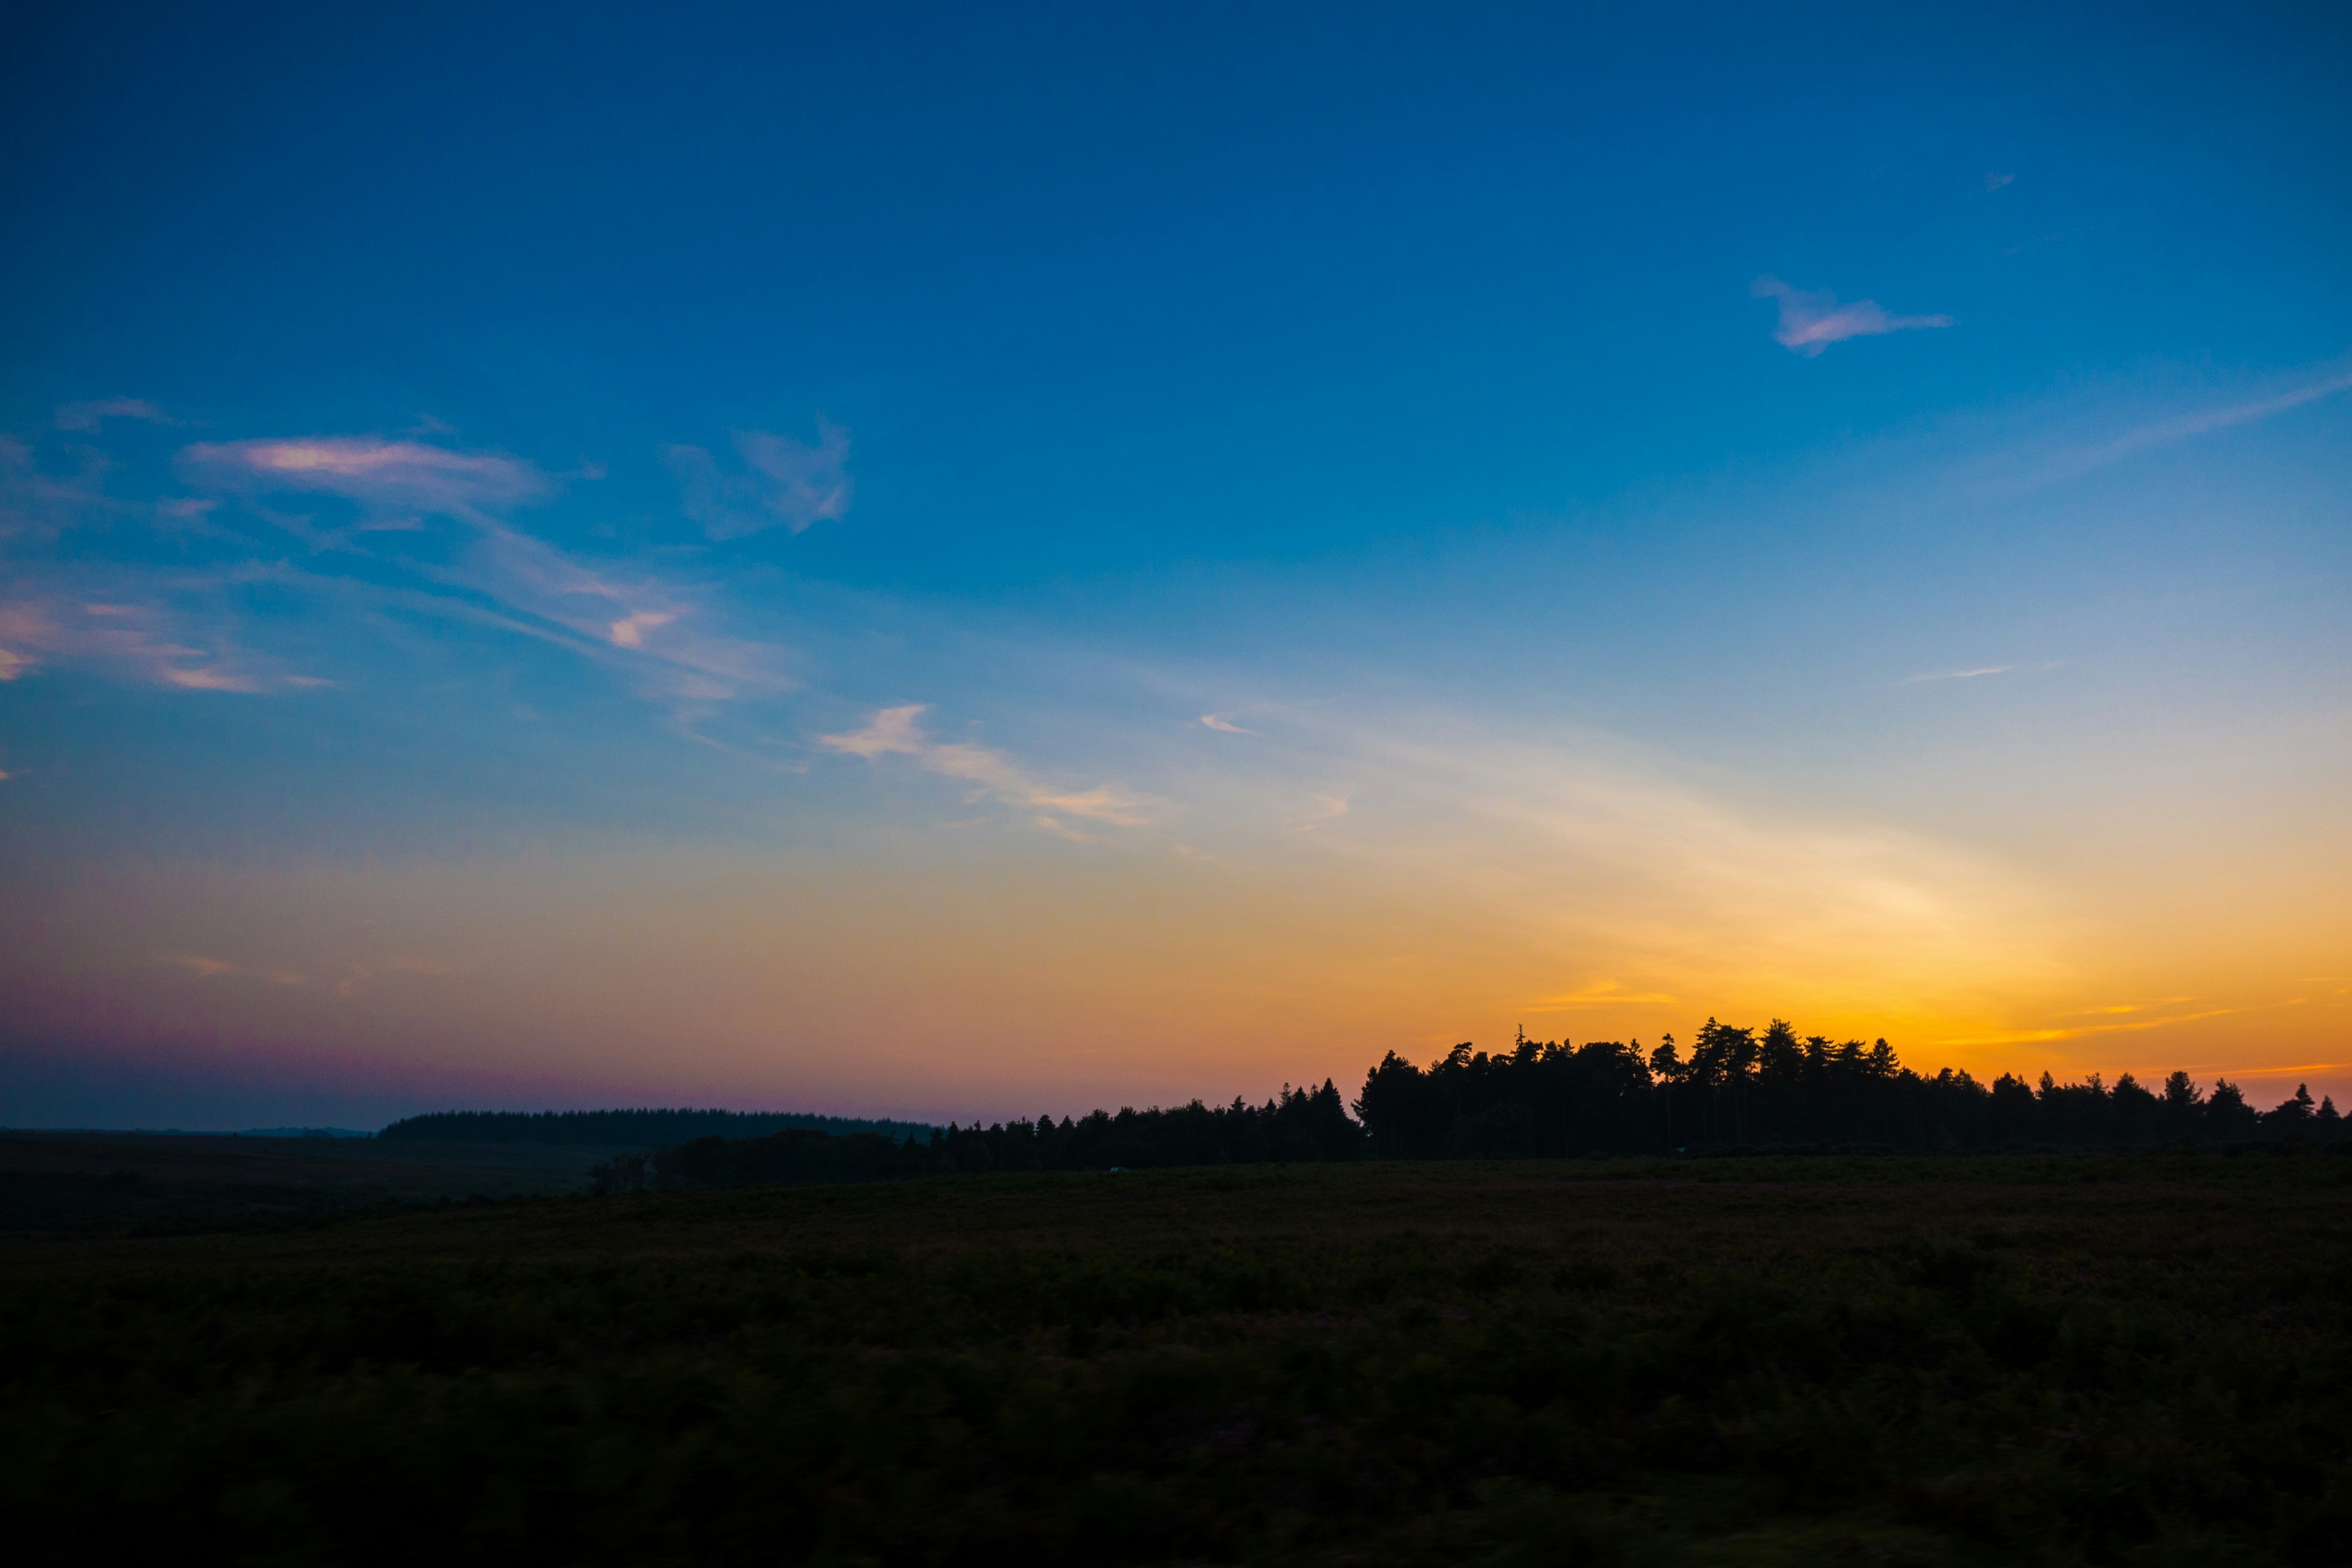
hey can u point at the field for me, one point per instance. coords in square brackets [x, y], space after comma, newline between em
[2134, 1359]
[151, 1183]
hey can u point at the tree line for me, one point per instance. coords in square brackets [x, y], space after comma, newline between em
[1735, 1089]
[647, 1128]
[1299, 1124]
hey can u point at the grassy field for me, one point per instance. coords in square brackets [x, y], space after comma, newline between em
[81, 1183]
[2101, 1360]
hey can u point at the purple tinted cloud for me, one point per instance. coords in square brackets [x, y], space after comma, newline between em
[1811, 320]
[139, 636]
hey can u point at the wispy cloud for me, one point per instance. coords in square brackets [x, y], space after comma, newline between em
[654, 624]
[148, 642]
[1811, 320]
[91, 415]
[371, 470]
[890, 731]
[2037, 463]
[1583, 847]
[37, 504]
[205, 968]
[895, 731]
[784, 483]
[1598, 994]
[630, 630]
[2076, 1031]
[1326, 808]
[2115, 1009]
[1960, 674]
[638, 615]
[1994, 182]
[1227, 725]
[2190, 425]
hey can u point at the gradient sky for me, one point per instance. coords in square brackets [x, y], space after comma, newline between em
[977, 560]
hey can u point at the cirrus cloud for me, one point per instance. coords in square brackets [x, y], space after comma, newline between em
[785, 483]
[1813, 319]
[371, 470]
[894, 731]
[91, 415]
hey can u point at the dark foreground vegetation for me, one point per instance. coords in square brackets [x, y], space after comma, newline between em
[126, 1183]
[2127, 1359]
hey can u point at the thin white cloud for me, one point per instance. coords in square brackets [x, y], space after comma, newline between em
[890, 730]
[2037, 465]
[144, 641]
[1328, 808]
[653, 623]
[630, 630]
[1811, 320]
[1961, 674]
[1994, 182]
[371, 470]
[784, 483]
[1227, 725]
[633, 613]
[91, 415]
[2189, 424]
[894, 731]
[649, 625]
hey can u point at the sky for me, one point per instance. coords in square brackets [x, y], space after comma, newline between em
[960, 562]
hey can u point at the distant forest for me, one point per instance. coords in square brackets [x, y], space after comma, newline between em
[627, 1127]
[1736, 1091]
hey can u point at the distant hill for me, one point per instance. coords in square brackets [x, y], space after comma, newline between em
[642, 1129]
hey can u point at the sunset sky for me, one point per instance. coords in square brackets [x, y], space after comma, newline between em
[972, 560]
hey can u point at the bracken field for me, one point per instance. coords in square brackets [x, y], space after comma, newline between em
[2137, 1359]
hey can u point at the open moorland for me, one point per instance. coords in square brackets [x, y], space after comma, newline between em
[2098, 1358]
[149, 1183]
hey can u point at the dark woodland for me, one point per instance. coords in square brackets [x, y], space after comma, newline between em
[1735, 1092]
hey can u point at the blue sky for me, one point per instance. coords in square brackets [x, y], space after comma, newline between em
[543, 451]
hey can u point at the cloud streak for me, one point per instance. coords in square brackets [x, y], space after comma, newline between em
[636, 615]
[1600, 994]
[203, 968]
[784, 483]
[148, 642]
[894, 731]
[1811, 320]
[2187, 425]
[371, 470]
[91, 415]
